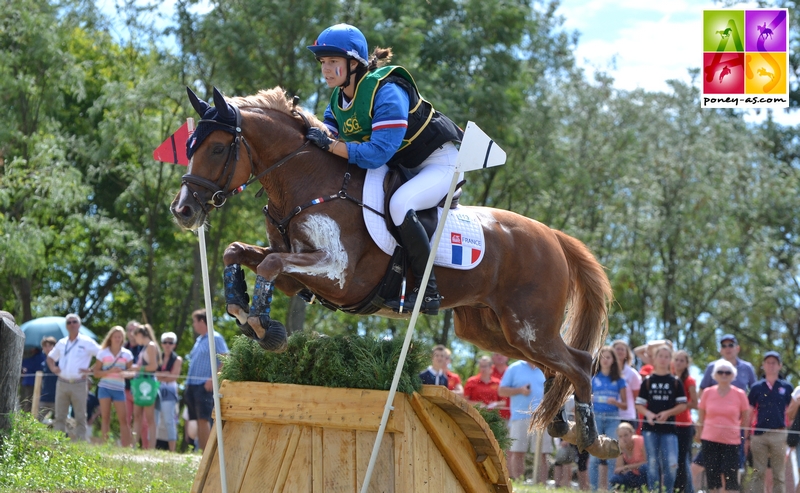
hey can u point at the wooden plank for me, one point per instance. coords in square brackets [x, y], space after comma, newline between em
[239, 440]
[451, 483]
[286, 460]
[452, 444]
[421, 467]
[474, 427]
[317, 471]
[351, 409]
[383, 474]
[437, 468]
[267, 458]
[338, 458]
[403, 459]
[298, 480]
[205, 462]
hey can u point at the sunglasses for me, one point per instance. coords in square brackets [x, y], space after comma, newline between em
[724, 372]
[728, 345]
[167, 342]
[70, 322]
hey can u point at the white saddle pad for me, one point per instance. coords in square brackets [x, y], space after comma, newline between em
[462, 244]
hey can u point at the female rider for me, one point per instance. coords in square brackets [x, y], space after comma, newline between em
[380, 118]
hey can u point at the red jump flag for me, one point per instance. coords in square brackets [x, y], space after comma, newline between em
[173, 150]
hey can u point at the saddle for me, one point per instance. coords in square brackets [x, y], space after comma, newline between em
[394, 179]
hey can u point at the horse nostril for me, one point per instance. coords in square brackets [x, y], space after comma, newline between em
[186, 211]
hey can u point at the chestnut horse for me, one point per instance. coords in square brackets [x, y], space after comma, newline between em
[533, 283]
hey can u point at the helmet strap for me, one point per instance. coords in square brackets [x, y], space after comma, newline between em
[348, 73]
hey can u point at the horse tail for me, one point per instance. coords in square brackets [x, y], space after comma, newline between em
[586, 323]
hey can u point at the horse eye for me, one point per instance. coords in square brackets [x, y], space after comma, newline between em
[218, 149]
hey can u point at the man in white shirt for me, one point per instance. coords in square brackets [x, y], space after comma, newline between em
[74, 355]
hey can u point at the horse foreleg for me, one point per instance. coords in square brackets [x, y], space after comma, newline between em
[238, 255]
[271, 334]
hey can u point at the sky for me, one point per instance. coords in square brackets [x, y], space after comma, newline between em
[643, 43]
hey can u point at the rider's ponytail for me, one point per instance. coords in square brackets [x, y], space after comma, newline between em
[379, 58]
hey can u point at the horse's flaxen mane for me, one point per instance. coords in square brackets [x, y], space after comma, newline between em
[272, 99]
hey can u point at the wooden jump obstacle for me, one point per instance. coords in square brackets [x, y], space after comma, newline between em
[298, 438]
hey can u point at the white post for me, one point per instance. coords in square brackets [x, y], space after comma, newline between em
[212, 346]
[477, 152]
[212, 351]
[409, 334]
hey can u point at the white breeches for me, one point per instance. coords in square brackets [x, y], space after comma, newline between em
[428, 187]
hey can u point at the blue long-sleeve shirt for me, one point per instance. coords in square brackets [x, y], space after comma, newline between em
[389, 124]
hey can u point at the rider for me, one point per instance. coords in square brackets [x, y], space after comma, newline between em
[380, 118]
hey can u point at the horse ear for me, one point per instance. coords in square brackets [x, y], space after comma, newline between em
[198, 104]
[222, 106]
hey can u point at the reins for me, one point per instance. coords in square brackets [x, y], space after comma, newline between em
[220, 196]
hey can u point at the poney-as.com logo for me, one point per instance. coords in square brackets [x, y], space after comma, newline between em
[745, 58]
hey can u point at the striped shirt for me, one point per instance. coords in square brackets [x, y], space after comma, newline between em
[200, 359]
[109, 360]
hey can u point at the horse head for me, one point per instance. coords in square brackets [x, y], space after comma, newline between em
[227, 148]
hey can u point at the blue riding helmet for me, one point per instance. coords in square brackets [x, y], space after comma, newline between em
[342, 40]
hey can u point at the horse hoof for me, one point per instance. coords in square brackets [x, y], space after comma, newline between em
[246, 330]
[558, 429]
[274, 339]
[604, 448]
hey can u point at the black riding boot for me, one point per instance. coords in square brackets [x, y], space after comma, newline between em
[415, 241]
[274, 332]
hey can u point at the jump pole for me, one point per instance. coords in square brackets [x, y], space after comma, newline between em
[477, 152]
[212, 346]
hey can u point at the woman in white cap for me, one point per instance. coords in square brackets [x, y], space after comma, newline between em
[168, 373]
[722, 411]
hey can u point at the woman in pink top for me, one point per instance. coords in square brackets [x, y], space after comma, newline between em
[630, 472]
[722, 411]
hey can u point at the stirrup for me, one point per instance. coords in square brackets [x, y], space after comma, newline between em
[430, 303]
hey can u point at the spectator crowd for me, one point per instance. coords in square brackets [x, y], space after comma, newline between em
[132, 372]
[731, 432]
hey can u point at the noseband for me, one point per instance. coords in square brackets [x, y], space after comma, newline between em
[218, 193]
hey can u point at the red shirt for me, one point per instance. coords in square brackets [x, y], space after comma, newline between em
[505, 413]
[685, 418]
[452, 380]
[478, 390]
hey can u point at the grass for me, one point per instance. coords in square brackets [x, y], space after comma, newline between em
[36, 459]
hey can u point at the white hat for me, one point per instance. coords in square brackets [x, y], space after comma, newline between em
[169, 335]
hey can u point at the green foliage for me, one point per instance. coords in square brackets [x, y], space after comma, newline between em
[335, 361]
[33, 458]
[498, 426]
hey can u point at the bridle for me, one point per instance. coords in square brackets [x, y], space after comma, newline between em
[219, 195]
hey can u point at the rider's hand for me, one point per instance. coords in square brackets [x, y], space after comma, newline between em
[319, 138]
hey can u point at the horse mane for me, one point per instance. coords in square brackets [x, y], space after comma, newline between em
[273, 99]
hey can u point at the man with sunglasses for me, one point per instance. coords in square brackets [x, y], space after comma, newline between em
[769, 399]
[74, 355]
[729, 351]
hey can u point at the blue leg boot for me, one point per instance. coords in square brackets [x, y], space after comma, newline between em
[236, 294]
[274, 332]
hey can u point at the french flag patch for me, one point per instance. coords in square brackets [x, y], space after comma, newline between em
[461, 254]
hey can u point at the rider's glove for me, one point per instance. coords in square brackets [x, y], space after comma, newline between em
[320, 138]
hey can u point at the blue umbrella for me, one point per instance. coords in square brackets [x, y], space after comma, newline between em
[56, 327]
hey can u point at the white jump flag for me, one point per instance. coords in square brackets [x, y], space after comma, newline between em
[477, 151]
